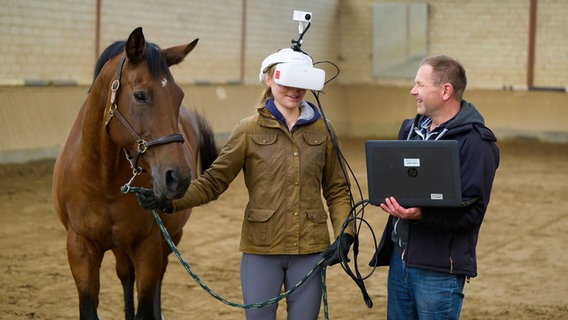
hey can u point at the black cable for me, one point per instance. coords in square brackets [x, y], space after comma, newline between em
[356, 275]
[334, 65]
[355, 216]
[296, 44]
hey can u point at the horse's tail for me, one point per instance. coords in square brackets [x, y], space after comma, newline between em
[208, 151]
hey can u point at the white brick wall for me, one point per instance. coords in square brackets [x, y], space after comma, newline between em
[46, 40]
[55, 40]
[551, 58]
[489, 37]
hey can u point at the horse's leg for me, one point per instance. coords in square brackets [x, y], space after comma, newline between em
[85, 263]
[166, 250]
[125, 272]
[147, 261]
[158, 296]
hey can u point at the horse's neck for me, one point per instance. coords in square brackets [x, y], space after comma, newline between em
[97, 148]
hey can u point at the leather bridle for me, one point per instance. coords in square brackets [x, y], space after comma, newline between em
[142, 145]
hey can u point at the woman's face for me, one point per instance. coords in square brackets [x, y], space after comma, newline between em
[285, 97]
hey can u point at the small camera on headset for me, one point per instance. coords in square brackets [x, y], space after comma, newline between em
[302, 16]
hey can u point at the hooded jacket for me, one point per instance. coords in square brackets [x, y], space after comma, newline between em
[445, 239]
[286, 173]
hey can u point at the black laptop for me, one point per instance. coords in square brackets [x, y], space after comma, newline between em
[417, 173]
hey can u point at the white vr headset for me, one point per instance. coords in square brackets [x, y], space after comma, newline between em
[293, 69]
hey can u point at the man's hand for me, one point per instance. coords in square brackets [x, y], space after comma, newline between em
[392, 207]
[148, 200]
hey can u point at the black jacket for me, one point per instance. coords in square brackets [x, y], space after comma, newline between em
[444, 240]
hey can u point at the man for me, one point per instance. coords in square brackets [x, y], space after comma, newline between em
[431, 251]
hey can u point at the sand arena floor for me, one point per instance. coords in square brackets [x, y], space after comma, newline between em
[522, 250]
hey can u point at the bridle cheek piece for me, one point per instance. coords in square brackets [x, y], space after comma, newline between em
[142, 145]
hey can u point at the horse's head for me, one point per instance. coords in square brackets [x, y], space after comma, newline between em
[144, 103]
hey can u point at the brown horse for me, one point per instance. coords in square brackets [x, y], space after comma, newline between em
[131, 129]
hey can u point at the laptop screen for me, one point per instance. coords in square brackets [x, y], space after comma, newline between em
[417, 173]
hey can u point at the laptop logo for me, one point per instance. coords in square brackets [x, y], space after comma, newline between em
[412, 172]
[412, 164]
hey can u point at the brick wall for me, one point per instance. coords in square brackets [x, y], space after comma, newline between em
[551, 60]
[56, 40]
[46, 40]
[489, 37]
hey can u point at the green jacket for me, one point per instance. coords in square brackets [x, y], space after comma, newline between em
[286, 175]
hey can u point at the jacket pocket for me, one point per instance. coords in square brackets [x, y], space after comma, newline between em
[264, 139]
[314, 154]
[264, 152]
[317, 216]
[318, 231]
[257, 229]
[314, 139]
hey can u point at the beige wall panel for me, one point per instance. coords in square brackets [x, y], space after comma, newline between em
[52, 43]
[35, 121]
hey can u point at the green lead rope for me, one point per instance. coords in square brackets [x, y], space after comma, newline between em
[319, 265]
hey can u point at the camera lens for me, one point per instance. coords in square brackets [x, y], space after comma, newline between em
[308, 16]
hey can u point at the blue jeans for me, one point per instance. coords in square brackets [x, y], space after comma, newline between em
[422, 294]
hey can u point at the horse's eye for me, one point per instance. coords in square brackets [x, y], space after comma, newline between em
[140, 96]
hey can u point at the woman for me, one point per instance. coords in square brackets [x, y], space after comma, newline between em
[288, 160]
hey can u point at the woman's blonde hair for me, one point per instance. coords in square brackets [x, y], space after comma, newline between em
[267, 92]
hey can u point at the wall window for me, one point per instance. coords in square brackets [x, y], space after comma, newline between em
[400, 38]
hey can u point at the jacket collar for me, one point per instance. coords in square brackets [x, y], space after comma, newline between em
[308, 113]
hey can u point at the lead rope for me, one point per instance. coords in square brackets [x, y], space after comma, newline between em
[319, 265]
[249, 305]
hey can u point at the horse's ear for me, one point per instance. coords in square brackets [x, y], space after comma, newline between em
[135, 46]
[175, 55]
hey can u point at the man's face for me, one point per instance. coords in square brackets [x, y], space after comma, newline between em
[428, 94]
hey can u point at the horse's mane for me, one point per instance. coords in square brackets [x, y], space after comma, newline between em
[156, 63]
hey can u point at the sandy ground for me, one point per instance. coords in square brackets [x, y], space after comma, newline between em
[522, 251]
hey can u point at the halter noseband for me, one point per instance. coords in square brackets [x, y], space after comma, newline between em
[142, 145]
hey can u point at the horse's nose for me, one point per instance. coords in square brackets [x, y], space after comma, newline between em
[175, 183]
